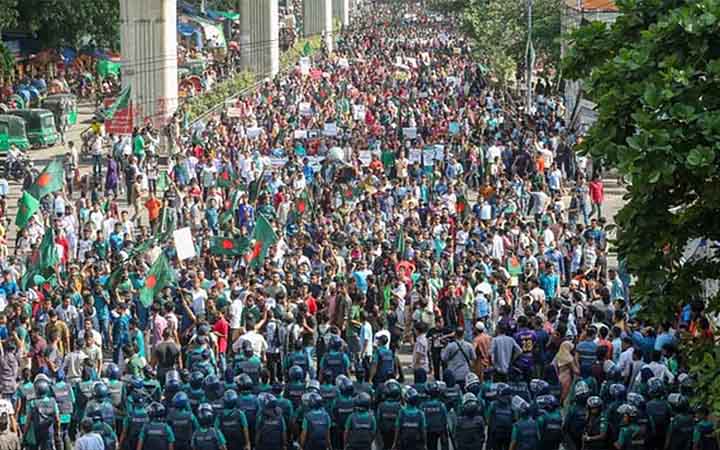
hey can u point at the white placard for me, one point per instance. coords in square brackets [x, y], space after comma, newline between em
[277, 163]
[305, 109]
[234, 112]
[184, 244]
[359, 112]
[254, 132]
[439, 152]
[365, 157]
[429, 156]
[304, 65]
[343, 62]
[330, 129]
[415, 155]
[300, 134]
[410, 133]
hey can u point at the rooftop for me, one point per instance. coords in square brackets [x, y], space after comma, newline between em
[592, 5]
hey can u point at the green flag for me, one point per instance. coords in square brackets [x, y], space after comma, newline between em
[226, 177]
[255, 188]
[106, 67]
[308, 49]
[229, 246]
[264, 237]
[462, 208]
[160, 275]
[400, 243]
[121, 102]
[51, 179]
[49, 257]
[27, 205]
[304, 203]
[163, 183]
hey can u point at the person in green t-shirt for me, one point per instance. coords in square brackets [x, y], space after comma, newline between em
[704, 437]
[138, 143]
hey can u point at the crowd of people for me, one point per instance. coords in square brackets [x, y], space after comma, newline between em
[382, 200]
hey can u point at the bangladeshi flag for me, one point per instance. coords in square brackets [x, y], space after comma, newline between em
[51, 179]
[226, 246]
[160, 275]
[264, 237]
[27, 206]
[461, 207]
[303, 203]
[226, 178]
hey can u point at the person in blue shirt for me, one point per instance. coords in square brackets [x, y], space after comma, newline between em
[103, 313]
[8, 285]
[116, 238]
[211, 216]
[550, 282]
[664, 337]
[120, 330]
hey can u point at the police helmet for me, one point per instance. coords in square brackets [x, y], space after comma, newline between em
[205, 415]
[519, 405]
[594, 402]
[432, 389]
[679, 402]
[95, 414]
[314, 400]
[636, 400]
[211, 383]
[539, 387]
[42, 388]
[656, 387]
[112, 371]
[344, 384]
[296, 373]
[60, 375]
[180, 400]
[502, 390]
[314, 385]
[470, 404]
[244, 382]
[335, 343]
[196, 379]
[157, 410]
[149, 372]
[172, 387]
[618, 391]
[277, 388]
[100, 390]
[267, 401]
[412, 397]
[546, 402]
[582, 390]
[362, 401]
[628, 410]
[173, 375]
[230, 398]
[471, 379]
[137, 383]
[393, 390]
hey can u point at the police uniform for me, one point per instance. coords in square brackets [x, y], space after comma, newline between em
[360, 428]
[156, 435]
[411, 428]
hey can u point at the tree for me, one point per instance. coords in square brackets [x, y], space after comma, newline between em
[62, 23]
[8, 14]
[499, 28]
[655, 75]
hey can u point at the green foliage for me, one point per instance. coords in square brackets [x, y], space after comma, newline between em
[8, 14]
[499, 28]
[201, 104]
[7, 60]
[72, 23]
[655, 75]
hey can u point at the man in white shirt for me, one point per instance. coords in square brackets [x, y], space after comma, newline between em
[258, 342]
[626, 357]
[89, 440]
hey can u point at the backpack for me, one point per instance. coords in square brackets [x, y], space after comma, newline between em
[502, 421]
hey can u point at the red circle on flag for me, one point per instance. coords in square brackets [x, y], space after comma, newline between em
[228, 244]
[44, 179]
[151, 281]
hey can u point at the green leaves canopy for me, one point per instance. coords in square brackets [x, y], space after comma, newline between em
[655, 75]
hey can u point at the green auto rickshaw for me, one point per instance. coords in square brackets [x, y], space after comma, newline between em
[59, 104]
[12, 132]
[40, 125]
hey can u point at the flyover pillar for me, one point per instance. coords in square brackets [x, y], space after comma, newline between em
[317, 20]
[259, 37]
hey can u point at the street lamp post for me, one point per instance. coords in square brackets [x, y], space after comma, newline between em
[529, 58]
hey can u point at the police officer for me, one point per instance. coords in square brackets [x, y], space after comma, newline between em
[638, 401]
[298, 357]
[453, 393]
[470, 428]
[659, 412]
[334, 363]
[524, 432]
[576, 417]
[65, 398]
[296, 386]
[25, 395]
[229, 380]
[247, 362]
[233, 423]
[271, 428]
[101, 401]
[196, 395]
[549, 422]
[436, 416]
[133, 423]
[681, 425]
[106, 431]
[411, 427]
[341, 409]
[213, 393]
[316, 425]
[360, 427]
[617, 393]
[328, 392]
[156, 434]
[248, 403]
[151, 383]
[283, 403]
[631, 436]
[116, 391]
[388, 411]
[182, 420]
[595, 434]
[135, 391]
[499, 416]
[383, 362]
[704, 437]
[44, 416]
[361, 384]
[173, 385]
[207, 437]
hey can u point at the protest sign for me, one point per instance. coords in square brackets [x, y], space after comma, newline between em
[184, 245]
[359, 112]
[365, 157]
[330, 129]
[415, 155]
[410, 133]
[429, 156]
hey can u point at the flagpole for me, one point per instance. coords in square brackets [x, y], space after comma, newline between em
[529, 59]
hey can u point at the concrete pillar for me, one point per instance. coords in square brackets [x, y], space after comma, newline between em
[259, 37]
[317, 19]
[341, 12]
[148, 44]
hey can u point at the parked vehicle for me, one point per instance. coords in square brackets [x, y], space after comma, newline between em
[40, 125]
[12, 132]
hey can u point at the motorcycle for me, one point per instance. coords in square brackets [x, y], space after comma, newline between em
[16, 168]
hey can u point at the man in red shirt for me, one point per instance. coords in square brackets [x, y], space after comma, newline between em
[221, 329]
[597, 195]
[309, 299]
